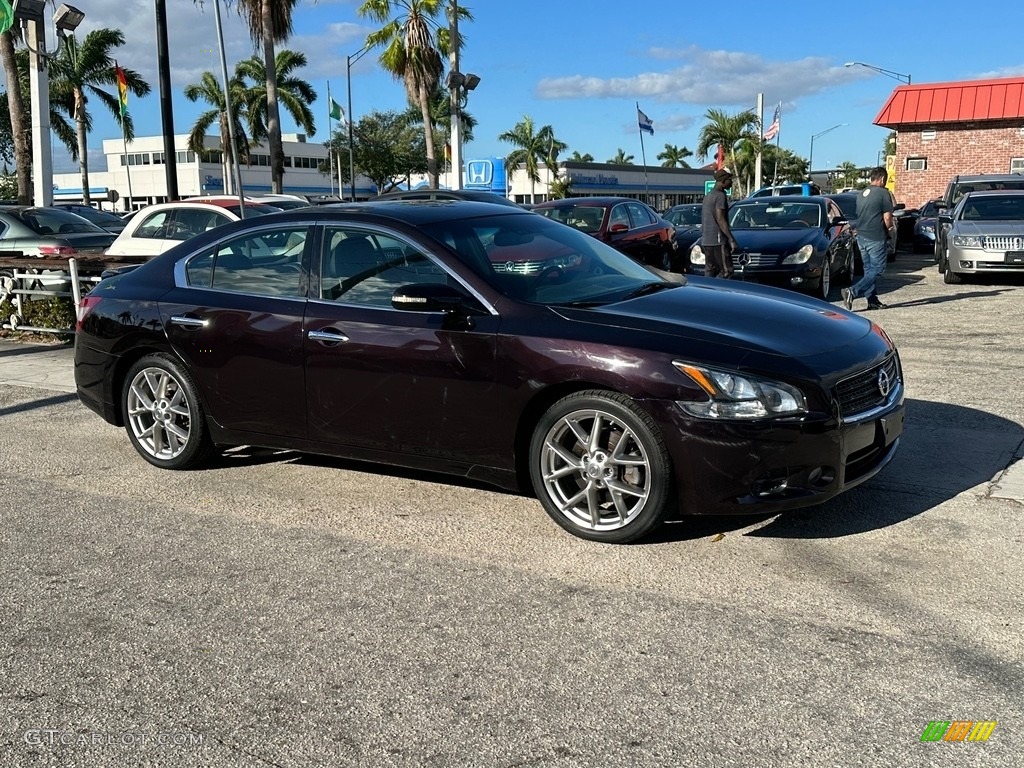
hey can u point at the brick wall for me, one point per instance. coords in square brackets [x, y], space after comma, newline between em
[957, 148]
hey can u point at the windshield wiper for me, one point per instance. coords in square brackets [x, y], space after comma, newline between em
[648, 288]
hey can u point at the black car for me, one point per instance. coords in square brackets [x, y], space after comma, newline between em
[477, 195]
[395, 333]
[102, 219]
[800, 242]
[687, 220]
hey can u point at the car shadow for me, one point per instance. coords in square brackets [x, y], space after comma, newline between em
[945, 450]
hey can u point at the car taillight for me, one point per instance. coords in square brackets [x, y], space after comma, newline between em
[85, 306]
[57, 250]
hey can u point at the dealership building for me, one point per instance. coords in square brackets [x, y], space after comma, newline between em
[136, 175]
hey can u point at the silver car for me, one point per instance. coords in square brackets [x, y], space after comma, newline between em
[984, 235]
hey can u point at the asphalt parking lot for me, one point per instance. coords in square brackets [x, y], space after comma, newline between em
[287, 610]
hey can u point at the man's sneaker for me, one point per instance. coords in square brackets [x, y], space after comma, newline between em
[847, 298]
[876, 304]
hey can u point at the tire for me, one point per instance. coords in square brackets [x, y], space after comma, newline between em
[162, 414]
[941, 264]
[600, 468]
[825, 284]
[949, 277]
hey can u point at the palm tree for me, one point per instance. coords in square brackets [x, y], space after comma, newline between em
[75, 74]
[16, 103]
[440, 117]
[293, 92]
[727, 130]
[532, 148]
[414, 43]
[270, 21]
[576, 157]
[621, 158]
[209, 90]
[675, 157]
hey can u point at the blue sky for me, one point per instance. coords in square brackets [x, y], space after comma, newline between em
[582, 65]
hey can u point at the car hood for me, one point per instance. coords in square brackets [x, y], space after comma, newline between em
[997, 228]
[780, 241]
[741, 316]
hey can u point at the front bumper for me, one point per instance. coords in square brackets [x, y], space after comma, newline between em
[754, 468]
[971, 261]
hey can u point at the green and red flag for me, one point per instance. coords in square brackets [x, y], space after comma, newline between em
[122, 89]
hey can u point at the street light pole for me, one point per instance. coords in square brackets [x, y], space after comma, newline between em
[455, 107]
[349, 60]
[810, 159]
[888, 72]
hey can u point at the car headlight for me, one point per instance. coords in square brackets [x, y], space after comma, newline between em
[967, 241]
[928, 229]
[801, 256]
[732, 396]
[697, 255]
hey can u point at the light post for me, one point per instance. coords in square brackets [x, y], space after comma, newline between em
[459, 85]
[895, 75]
[810, 159]
[66, 18]
[349, 60]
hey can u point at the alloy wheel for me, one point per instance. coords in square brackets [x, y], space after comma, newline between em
[158, 413]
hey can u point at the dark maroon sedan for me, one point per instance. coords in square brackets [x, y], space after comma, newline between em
[411, 333]
[625, 224]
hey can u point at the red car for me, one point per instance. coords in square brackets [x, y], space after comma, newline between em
[625, 224]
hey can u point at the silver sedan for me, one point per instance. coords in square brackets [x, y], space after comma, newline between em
[984, 235]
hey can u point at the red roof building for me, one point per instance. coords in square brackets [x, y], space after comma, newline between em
[945, 129]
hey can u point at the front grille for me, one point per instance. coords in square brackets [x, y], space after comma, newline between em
[1003, 243]
[756, 259]
[860, 392]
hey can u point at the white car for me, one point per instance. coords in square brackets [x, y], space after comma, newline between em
[160, 227]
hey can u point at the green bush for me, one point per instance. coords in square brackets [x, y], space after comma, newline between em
[52, 312]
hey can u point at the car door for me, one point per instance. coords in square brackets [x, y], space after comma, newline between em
[235, 316]
[383, 379]
[840, 240]
[650, 234]
[620, 234]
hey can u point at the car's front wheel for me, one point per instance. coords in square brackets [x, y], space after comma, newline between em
[162, 414]
[825, 285]
[600, 467]
[949, 277]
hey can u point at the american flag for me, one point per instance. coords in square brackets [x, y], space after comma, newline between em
[773, 129]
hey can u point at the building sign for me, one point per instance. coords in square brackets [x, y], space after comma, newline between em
[598, 180]
[486, 174]
[212, 182]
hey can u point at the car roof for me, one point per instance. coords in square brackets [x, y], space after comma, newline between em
[410, 211]
[994, 193]
[785, 198]
[989, 177]
[597, 200]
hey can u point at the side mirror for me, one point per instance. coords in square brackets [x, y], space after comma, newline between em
[945, 218]
[617, 229]
[838, 221]
[432, 297]
[899, 207]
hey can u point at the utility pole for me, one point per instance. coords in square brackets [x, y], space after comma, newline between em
[166, 111]
[454, 94]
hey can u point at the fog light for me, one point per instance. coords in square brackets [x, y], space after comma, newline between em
[795, 280]
[966, 265]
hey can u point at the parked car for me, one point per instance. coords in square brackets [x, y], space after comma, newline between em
[687, 220]
[102, 219]
[48, 231]
[479, 195]
[924, 227]
[796, 242]
[625, 224]
[984, 235]
[383, 332]
[159, 227]
[799, 188]
[962, 184]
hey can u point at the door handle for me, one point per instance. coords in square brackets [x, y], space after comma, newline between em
[328, 337]
[188, 322]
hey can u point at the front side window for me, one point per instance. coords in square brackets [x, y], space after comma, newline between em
[265, 263]
[360, 267]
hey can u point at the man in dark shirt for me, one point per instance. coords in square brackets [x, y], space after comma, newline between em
[874, 220]
[716, 238]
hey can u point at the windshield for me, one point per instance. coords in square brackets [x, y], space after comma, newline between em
[959, 190]
[684, 217]
[531, 258]
[993, 208]
[772, 214]
[582, 216]
[51, 221]
[257, 209]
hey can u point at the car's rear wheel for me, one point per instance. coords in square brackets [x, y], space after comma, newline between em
[162, 414]
[600, 467]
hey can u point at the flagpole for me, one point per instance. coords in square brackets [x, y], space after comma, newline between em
[778, 139]
[124, 139]
[643, 156]
[330, 135]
